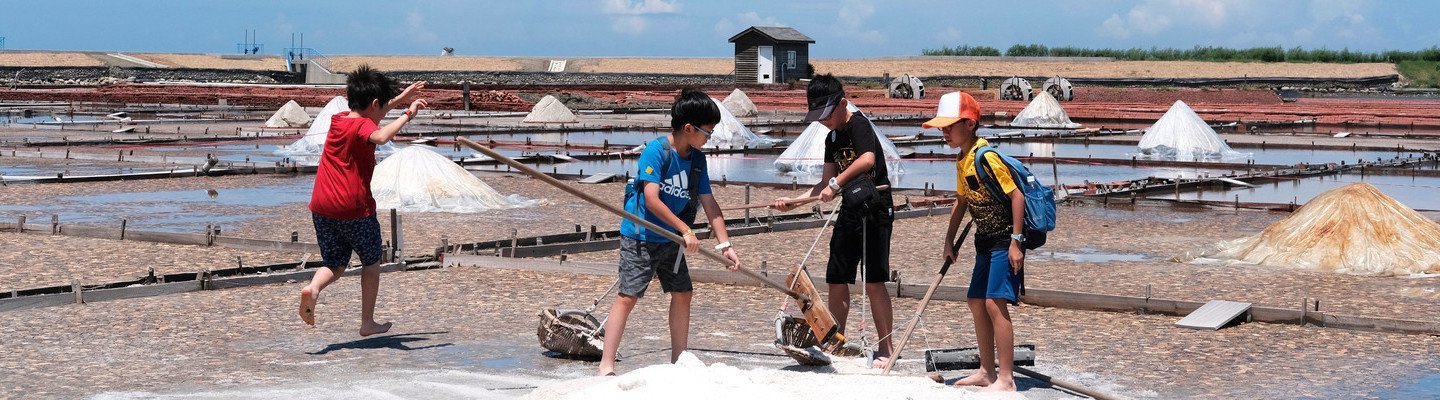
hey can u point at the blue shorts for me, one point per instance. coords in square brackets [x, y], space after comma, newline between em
[992, 278]
[339, 237]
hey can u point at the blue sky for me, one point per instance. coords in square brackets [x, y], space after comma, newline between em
[693, 28]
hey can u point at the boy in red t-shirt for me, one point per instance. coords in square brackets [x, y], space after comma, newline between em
[342, 207]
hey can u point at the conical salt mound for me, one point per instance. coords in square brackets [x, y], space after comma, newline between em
[1043, 112]
[307, 149]
[417, 179]
[807, 153]
[313, 143]
[1180, 134]
[291, 115]
[739, 104]
[731, 134]
[550, 110]
[1354, 229]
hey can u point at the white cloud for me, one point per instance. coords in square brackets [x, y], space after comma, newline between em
[417, 30]
[633, 17]
[1153, 17]
[726, 27]
[950, 35]
[852, 17]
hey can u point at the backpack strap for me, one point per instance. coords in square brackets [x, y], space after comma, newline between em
[986, 176]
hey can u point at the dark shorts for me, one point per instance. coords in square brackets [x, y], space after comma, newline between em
[641, 261]
[992, 277]
[861, 234]
[340, 237]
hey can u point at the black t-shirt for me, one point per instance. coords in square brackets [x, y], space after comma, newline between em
[857, 137]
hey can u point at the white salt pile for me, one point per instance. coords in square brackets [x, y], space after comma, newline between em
[417, 179]
[291, 115]
[550, 110]
[690, 379]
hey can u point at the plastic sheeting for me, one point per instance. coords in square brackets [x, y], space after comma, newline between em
[550, 110]
[806, 155]
[417, 179]
[731, 134]
[1043, 112]
[307, 149]
[1182, 135]
[739, 104]
[291, 115]
[1355, 229]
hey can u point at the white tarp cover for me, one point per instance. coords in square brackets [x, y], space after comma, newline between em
[550, 110]
[1043, 112]
[291, 115]
[731, 134]
[1354, 229]
[807, 153]
[417, 179]
[1182, 135]
[739, 104]
[307, 149]
[696, 381]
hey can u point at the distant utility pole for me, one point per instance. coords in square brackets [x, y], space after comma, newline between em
[2, 43]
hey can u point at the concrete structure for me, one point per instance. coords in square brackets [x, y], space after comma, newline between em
[771, 54]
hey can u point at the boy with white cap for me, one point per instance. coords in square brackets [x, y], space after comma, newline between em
[999, 253]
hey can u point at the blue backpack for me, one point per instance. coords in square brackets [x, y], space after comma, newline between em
[1039, 199]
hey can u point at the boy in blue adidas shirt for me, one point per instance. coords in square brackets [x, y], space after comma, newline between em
[671, 185]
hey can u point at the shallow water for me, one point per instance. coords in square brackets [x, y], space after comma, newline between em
[1414, 192]
[939, 172]
[169, 211]
[1124, 152]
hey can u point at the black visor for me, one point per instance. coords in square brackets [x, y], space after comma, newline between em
[821, 107]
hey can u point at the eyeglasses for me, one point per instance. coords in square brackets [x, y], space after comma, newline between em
[702, 130]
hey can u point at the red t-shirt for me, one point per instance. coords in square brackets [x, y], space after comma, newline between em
[342, 183]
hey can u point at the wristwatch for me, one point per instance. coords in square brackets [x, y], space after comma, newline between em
[834, 184]
[722, 246]
[1017, 237]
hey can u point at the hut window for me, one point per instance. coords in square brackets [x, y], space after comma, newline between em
[790, 59]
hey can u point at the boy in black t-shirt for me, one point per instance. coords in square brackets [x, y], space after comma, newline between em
[854, 166]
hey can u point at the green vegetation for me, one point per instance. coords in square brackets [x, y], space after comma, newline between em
[1421, 73]
[1198, 53]
[970, 51]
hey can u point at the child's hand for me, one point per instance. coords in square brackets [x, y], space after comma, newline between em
[416, 105]
[734, 259]
[411, 91]
[782, 204]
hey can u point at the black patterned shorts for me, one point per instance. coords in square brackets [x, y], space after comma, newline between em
[339, 237]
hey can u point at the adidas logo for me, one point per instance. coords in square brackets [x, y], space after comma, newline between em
[676, 186]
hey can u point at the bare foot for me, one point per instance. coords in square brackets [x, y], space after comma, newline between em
[880, 361]
[307, 305]
[979, 378]
[372, 328]
[1000, 385]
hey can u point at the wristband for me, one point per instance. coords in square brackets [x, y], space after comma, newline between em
[722, 246]
[687, 232]
[408, 113]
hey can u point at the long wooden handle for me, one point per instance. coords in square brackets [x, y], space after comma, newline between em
[1074, 387]
[794, 202]
[624, 214]
[920, 309]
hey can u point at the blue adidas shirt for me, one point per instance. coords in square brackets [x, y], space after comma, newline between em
[674, 180]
